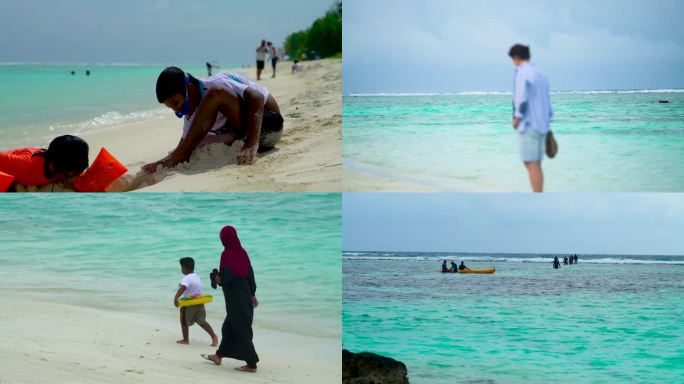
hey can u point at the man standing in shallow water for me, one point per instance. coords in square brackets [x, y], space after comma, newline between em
[532, 113]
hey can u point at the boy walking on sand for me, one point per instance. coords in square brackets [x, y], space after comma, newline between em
[191, 286]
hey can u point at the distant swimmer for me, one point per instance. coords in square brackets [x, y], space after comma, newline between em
[444, 267]
[73, 73]
[462, 266]
[565, 261]
[556, 263]
[88, 72]
[575, 258]
[663, 101]
[572, 258]
[454, 267]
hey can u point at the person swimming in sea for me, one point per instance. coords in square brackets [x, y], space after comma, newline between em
[556, 263]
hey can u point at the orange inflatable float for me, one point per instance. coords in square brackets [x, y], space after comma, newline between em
[104, 171]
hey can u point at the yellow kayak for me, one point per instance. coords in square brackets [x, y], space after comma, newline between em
[481, 271]
[188, 301]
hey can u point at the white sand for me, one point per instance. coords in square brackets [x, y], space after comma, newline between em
[307, 158]
[45, 342]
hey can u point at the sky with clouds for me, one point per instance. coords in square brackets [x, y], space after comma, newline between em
[634, 224]
[457, 45]
[150, 31]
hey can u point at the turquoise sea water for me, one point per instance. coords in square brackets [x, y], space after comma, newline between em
[121, 252]
[608, 141]
[608, 319]
[43, 101]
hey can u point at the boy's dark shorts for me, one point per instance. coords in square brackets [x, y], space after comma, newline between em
[260, 64]
[271, 128]
[194, 314]
[274, 61]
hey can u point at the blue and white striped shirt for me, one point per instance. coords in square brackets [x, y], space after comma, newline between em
[531, 100]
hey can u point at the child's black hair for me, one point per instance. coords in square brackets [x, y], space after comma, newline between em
[67, 153]
[188, 263]
[172, 81]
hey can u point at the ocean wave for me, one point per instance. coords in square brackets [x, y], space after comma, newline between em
[110, 119]
[497, 93]
[547, 259]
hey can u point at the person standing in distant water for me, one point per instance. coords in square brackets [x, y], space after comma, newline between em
[208, 68]
[261, 58]
[274, 56]
[88, 72]
[572, 258]
[454, 267]
[575, 258]
[532, 113]
[556, 263]
[565, 260]
[444, 267]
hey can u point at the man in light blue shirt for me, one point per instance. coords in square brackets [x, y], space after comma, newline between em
[532, 113]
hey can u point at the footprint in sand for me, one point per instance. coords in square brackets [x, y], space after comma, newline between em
[138, 371]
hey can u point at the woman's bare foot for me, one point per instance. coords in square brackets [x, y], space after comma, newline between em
[214, 341]
[213, 358]
[181, 341]
[246, 368]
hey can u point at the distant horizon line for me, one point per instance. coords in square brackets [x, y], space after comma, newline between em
[480, 93]
[517, 253]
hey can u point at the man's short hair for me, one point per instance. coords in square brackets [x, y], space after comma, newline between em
[170, 82]
[520, 51]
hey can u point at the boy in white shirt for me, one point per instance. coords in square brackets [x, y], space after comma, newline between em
[191, 286]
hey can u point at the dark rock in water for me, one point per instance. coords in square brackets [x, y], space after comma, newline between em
[369, 368]
[663, 101]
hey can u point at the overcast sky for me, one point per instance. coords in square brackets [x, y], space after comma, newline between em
[456, 45]
[149, 31]
[636, 224]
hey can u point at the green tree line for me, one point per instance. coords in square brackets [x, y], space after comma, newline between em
[322, 39]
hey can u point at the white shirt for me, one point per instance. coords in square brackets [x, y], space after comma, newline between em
[261, 53]
[531, 99]
[193, 285]
[228, 81]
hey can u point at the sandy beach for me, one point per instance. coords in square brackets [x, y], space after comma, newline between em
[307, 158]
[48, 342]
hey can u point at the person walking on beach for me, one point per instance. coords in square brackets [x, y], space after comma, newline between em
[273, 53]
[532, 113]
[261, 58]
[239, 287]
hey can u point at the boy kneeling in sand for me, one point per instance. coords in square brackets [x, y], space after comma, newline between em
[227, 105]
[191, 286]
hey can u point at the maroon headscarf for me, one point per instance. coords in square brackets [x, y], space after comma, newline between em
[234, 257]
